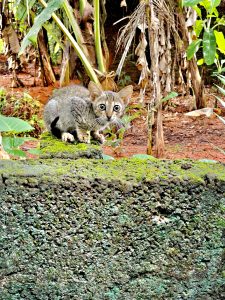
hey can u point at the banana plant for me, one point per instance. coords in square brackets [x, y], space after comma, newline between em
[211, 38]
[49, 12]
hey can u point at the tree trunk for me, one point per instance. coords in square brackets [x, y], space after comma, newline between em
[196, 80]
[48, 74]
[65, 66]
[160, 145]
[197, 84]
[154, 53]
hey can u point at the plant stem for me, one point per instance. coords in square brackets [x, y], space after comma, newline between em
[82, 6]
[98, 48]
[75, 26]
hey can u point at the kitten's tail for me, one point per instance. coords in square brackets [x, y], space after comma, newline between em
[55, 131]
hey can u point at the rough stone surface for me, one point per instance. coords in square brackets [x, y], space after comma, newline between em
[52, 147]
[127, 229]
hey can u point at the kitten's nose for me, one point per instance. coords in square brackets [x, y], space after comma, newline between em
[109, 118]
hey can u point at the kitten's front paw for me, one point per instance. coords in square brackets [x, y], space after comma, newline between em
[84, 137]
[67, 137]
[99, 137]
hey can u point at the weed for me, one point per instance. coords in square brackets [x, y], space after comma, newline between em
[124, 79]
[1, 46]
[115, 136]
[23, 106]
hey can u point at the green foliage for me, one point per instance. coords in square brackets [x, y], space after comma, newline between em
[220, 40]
[22, 9]
[143, 156]
[124, 79]
[54, 42]
[168, 97]
[23, 106]
[190, 2]
[49, 12]
[199, 24]
[44, 16]
[193, 48]
[116, 137]
[12, 143]
[209, 46]
[13, 125]
[208, 4]
[212, 40]
[2, 98]
[1, 46]
[220, 67]
[28, 110]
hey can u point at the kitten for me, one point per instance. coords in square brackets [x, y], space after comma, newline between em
[84, 111]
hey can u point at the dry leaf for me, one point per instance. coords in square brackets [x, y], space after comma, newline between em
[191, 17]
[88, 12]
[123, 3]
[3, 154]
[208, 112]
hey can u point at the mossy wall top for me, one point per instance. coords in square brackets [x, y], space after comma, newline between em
[128, 229]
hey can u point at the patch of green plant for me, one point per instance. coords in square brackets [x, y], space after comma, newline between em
[23, 106]
[1, 46]
[144, 156]
[114, 136]
[124, 80]
[133, 111]
[207, 36]
[220, 64]
[54, 42]
[11, 143]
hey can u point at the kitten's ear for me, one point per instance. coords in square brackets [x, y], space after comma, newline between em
[94, 90]
[126, 93]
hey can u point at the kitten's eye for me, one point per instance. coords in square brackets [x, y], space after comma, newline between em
[116, 108]
[102, 107]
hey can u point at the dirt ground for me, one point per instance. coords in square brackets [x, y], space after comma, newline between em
[185, 137]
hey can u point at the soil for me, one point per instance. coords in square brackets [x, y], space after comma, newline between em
[185, 137]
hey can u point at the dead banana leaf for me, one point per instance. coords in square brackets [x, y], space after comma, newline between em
[142, 64]
[88, 12]
[11, 39]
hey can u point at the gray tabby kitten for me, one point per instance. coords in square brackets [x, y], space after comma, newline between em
[84, 111]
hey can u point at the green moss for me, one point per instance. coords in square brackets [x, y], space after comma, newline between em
[196, 170]
[52, 147]
[123, 170]
[135, 169]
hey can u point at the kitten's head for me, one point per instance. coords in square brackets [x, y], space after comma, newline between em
[109, 106]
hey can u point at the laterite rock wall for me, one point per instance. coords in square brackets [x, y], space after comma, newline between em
[127, 229]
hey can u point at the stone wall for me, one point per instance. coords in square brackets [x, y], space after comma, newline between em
[117, 230]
